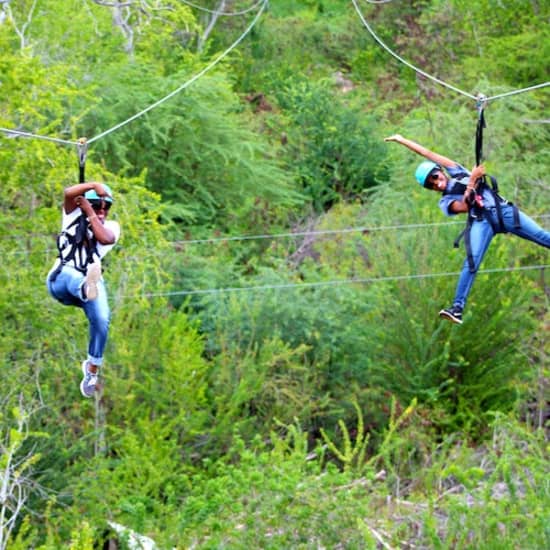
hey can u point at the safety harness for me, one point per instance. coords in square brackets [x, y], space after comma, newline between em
[476, 210]
[75, 246]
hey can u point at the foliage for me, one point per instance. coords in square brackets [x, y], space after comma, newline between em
[16, 465]
[351, 454]
[300, 37]
[282, 495]
[302, 374]
[211, 168]
[331, 143]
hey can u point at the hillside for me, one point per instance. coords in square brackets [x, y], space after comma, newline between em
[276, 373]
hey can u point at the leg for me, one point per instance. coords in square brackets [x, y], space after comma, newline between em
[99, 316]
[528, 229]
[67, 287]
[481, 234]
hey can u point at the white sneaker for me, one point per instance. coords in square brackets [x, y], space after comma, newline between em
[92, 277]
[89, 382]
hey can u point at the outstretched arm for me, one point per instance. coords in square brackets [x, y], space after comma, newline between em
[421, 150]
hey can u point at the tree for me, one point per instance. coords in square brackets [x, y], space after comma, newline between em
[17, 459]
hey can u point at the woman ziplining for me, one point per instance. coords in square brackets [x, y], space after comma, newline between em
[465, 192]
[76, 278]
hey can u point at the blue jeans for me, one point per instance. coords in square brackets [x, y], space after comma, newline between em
[481, 235]
[67, 289]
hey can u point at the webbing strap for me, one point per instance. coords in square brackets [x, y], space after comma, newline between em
[79, 244]
[481, 100]
[468, 245]
[479, 138]
[82, 148]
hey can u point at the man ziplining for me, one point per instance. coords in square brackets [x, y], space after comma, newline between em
[465, 192]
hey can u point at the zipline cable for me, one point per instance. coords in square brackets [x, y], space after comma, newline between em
[431, 77]
[520, 91]
[186, 84]
[11, 133]
[364, 229]
[319, 284]
[399, 58]
[356, 280]
[313, 232]
[17, 133]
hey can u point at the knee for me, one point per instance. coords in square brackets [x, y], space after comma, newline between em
[101, 321]
[105, 320]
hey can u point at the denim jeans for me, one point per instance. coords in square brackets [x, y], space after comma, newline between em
[67, 289]
[480, 237]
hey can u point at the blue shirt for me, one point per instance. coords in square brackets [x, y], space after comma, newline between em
[459, 174]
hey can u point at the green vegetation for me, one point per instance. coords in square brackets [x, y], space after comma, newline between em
[324, 404]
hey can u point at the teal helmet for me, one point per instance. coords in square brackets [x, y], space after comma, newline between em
[423, 171]
[91, 194]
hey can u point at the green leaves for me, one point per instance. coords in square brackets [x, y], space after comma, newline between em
[352, 455]
[196, 150]
[331, 143]
[289, 402]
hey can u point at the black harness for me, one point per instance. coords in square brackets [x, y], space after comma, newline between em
[76, 247]
[477, 210]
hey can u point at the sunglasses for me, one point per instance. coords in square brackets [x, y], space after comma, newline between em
[98, 204]
[433, 177]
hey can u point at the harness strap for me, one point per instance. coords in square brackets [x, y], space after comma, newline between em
[54, 274]
[477, 212]
[79, 241]
[515, 210]
[82, 249]
[82, 149]
[468, 245]
[481, 100]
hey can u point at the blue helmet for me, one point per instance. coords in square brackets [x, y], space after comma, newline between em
[423, 171]
[91, 194]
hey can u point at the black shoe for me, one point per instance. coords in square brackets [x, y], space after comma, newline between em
[453, 314]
